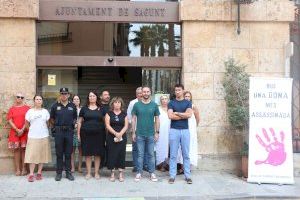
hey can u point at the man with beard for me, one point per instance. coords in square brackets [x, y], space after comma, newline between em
[145, 117]
[105, 99]
[139, 96]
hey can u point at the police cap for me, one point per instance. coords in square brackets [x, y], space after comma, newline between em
[63, 90]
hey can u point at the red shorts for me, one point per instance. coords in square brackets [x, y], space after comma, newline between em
[15, 142]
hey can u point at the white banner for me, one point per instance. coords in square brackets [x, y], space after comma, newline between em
[270, 131]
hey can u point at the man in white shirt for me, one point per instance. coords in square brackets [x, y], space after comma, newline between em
[139, 95]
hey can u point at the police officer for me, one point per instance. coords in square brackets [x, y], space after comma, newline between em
[63, 116]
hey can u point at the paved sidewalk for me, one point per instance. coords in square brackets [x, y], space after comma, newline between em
[206, 185]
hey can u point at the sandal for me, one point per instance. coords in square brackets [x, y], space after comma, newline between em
[97, 176]
[87, 177]
[121, 177]
[18, 173]
[39, 177]
[112, 176]
[30, 178]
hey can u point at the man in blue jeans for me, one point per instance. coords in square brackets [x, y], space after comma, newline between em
[179, 110]
[144, 116]
[139, 96]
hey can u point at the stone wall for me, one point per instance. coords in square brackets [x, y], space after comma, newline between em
[17, 62]
[209, 29]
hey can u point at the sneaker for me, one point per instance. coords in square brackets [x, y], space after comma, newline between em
[70, 176]
[30, 178]
[188, 180]
[38, 177]
[138, 177]
[58, 177]
[171, 180]
[153, 177]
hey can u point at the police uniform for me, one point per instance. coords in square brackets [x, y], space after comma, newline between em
[64, 118]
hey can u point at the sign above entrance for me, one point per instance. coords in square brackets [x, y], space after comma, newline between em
[109, 11]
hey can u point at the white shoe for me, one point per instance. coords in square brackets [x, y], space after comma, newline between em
[138, 177]
[153, 177]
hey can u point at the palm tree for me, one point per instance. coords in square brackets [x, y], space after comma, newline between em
[143, 39]
[151, 37]
[160, 34]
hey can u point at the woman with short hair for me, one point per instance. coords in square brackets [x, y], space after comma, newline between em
[17, 138]
[90, 133]
[116, 122]
[38, 149]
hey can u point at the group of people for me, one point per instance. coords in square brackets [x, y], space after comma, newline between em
[99, 130]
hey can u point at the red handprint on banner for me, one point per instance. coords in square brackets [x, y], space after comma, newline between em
[275, 148]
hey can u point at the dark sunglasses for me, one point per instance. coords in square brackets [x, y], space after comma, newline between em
[63, 93]
[20, 97]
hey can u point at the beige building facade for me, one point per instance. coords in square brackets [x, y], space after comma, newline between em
[208, 37]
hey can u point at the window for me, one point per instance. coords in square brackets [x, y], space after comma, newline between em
[109, 39]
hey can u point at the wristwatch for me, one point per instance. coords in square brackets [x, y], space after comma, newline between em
[157, 132]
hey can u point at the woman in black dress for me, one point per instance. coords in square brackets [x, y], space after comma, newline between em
[90, 133]
[116, 123]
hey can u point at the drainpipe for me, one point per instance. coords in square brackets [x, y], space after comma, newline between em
[239, 18]
[239, 2]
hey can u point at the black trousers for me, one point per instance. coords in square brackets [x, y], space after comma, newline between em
[63, 147]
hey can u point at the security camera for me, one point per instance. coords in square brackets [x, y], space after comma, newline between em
[110, 59]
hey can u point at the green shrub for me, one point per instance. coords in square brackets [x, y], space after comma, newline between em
[236, 86]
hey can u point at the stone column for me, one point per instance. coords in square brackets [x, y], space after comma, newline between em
[209, 30]
[17, 62]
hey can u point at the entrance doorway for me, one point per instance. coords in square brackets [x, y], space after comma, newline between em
[119, 81]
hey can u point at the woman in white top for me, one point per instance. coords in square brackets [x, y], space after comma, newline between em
[162, 145]
[193, 123]
[38, 145]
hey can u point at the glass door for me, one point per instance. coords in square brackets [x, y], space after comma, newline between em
[51, 80]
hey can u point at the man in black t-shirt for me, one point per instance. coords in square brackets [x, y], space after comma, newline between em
[105, 99]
